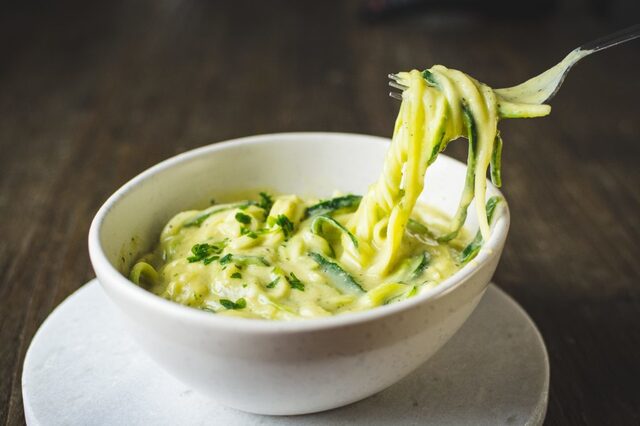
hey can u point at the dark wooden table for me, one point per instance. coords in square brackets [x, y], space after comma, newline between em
[92, 94]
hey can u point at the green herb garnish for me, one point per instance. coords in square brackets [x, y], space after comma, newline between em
[248, 232]
[206, 253]
[273, 283]
[226, 259]
[294, 282]
[199, 218]
[236, 275]
[243, 218]
[266, 202]
[208, 260]
[238, 304]
[285, 224]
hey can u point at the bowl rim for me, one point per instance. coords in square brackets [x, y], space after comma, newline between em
[118, 282]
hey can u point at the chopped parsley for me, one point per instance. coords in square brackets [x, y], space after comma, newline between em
[249, 233]
[273, 283]
[206, 253]
[243, 218]
[238, 304]
[266, 202]
[285, 224]
[226, 259]
[208, 260]
[236, 275]
[294, 282]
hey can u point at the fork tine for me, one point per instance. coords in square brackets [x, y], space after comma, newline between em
[398, 85]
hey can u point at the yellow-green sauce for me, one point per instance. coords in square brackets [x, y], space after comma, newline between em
[287, 258]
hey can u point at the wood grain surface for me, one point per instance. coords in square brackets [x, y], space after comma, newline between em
[93, 93]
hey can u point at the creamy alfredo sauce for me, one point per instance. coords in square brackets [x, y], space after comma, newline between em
[287, 258]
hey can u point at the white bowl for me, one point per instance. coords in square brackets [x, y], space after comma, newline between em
[273, 367]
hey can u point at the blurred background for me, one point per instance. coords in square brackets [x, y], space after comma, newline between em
[93, 93]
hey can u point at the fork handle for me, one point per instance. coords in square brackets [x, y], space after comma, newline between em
[609, 40]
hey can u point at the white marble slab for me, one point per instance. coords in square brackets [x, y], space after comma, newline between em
[83, 369]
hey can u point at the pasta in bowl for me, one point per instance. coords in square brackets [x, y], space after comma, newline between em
[269, 366]
[352, 252]
[288, 258]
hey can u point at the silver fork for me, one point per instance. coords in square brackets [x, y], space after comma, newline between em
[543, 87]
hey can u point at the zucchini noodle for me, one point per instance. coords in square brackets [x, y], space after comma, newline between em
[438, 106]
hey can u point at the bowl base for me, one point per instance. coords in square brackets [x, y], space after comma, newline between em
[83, 368]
